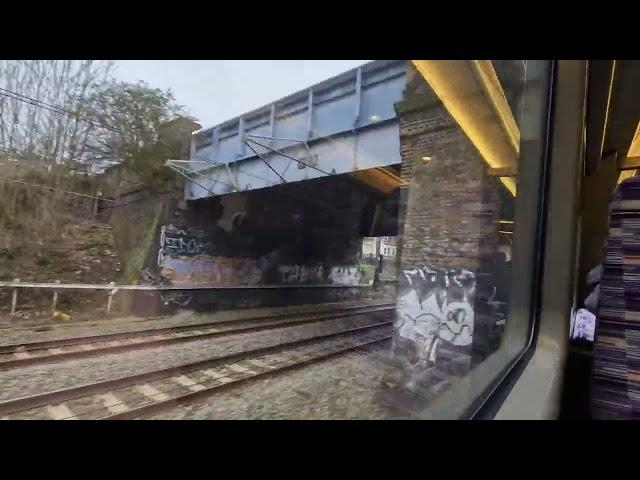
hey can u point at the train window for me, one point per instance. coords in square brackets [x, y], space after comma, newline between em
[362, 248]
[473, 144]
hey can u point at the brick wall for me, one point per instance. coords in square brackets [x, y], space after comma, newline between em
[447, 238]
[449, 210]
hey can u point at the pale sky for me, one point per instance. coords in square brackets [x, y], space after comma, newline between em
[217, 90]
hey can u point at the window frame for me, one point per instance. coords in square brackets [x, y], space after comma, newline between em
[536, 393]
[473, 396]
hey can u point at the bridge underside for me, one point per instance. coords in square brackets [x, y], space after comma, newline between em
[300, 232]
[311, 221]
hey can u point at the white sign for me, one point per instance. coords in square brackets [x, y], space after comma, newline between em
[584, 325]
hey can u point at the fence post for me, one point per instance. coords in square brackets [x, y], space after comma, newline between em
[55, 300]
[112, 292]
[96, 203]
[14, 297]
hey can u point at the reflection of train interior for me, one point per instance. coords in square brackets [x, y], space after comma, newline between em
[585, 316]
[565, 149]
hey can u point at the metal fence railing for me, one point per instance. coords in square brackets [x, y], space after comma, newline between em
[112, 288]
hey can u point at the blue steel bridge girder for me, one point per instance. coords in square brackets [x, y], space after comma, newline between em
[342, 125]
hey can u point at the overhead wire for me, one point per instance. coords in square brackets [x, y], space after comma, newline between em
[265, 161]
[202, 175]
[213, 162]
[53, 189]
[289, 156]
[53, 108]
[190, 179]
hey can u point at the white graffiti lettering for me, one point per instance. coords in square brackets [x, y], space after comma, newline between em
[436, 305]
[175, 241]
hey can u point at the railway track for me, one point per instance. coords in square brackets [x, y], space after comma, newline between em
[20, 355]
[141, 395]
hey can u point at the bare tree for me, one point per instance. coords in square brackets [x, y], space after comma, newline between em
[40, 101]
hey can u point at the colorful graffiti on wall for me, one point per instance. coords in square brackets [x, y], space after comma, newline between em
[185, 257]
[215, 271]
[176, 241]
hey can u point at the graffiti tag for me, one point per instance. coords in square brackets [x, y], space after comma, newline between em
[436, 305]
[175, 242]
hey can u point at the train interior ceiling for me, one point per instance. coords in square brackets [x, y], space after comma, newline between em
[611, 155]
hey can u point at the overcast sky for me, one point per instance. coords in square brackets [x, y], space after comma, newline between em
[216, 90]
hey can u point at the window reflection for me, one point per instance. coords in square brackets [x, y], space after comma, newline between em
[360, 234]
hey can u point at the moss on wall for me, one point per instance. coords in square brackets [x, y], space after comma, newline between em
[134, 229]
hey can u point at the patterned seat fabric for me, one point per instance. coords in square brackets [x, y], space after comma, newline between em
[616, 359]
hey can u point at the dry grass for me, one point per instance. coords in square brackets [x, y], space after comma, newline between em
[48, 235]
